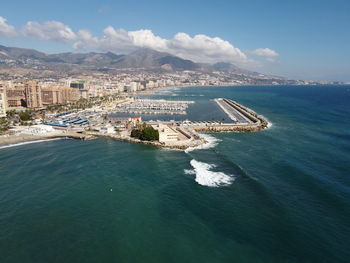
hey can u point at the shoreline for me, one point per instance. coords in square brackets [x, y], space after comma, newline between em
[11, 140]
[15, 139]
[28, 142]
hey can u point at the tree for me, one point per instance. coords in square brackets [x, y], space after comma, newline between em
[25, 116]
[149, 134]
[10, 113]
[136, 133]
[3, 124]
[145, 133]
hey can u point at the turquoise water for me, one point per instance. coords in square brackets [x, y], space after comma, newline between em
[278, 195]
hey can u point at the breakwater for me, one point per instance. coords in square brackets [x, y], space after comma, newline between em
[244, 119]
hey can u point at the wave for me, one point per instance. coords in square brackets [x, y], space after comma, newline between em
[204, 175]
[29, 142]
[211, 143]
[269, 123]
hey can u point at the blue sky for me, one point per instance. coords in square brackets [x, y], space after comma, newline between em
[297, 39]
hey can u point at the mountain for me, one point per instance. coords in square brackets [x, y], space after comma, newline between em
[92, 58]
[151, 59]
[19, 53]
[142, 59]
[230, 68]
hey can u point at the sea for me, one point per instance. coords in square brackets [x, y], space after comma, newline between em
[278, 195]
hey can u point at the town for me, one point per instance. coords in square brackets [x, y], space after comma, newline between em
[87, 108]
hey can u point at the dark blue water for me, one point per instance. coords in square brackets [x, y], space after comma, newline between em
[278, 195]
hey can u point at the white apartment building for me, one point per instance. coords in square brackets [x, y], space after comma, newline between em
[3, 101]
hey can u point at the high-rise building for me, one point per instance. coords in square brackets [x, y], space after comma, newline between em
[3, 101]
[16, 96]
[77, 84]
[33, 95]
[58, 95]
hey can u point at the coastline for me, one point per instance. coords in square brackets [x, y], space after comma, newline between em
[14, 139]
[260, 123]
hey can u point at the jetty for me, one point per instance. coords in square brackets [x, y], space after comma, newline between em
[243, 119]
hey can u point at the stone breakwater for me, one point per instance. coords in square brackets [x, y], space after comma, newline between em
[246, 121]
[251, 120]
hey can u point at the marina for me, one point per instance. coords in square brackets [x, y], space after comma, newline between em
[102, 120]
[148, 106]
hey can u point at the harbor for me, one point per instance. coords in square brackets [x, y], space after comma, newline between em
[99, 121]
[149, 106]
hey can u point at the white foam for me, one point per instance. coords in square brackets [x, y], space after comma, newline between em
[204, 175]
[211, 143]
[269, 124]
[29, 142]
[189, 171]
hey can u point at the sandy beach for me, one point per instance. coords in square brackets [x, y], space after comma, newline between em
[9, 139]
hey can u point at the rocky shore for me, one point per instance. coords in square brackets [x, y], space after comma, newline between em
[183, 146]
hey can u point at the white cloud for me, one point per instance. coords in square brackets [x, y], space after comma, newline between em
[146, 38]
[117, 41]
[6, 29]
[50, 30]
[264, 52]
[200, 48]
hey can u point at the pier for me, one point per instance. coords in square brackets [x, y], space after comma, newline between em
[243, 119]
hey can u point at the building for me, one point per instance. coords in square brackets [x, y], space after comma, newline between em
[58, 95]
[51, 96]
[3, 101]
[108, 129]
[166, 133]
[77, 84]
[16, 96]
[136, 120]
[84, 93]
[33, 95]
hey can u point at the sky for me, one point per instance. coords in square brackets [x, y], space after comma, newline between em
[299, 39]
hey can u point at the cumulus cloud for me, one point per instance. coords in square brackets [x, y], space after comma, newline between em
[117, 41]
[6, 29]
[50, 30]
[203, 48]
[200, 48]
[264, 52]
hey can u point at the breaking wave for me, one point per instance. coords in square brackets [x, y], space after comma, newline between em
[29, 142]
[269, 124]
[211, 143]
[204, 175]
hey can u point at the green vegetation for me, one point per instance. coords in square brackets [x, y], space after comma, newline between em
[136, 133]
[10, 113]
[3, 124]
[146, 133]
[25, 116]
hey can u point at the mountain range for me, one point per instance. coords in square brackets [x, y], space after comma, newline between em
[145, 59]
